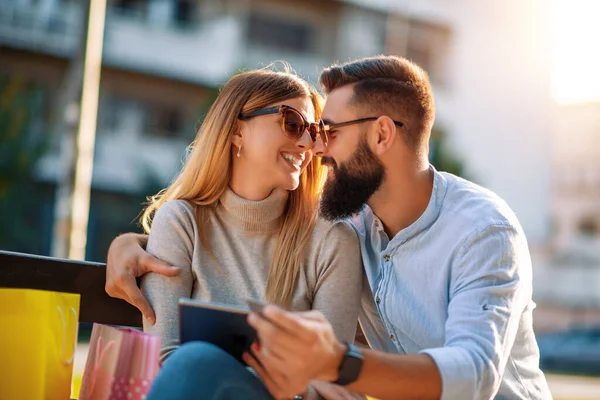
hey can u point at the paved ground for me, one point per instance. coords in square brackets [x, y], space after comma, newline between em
[563, 387]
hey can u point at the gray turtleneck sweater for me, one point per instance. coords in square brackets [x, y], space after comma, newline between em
[242, 235]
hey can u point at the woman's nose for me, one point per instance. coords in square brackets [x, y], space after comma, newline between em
[305, 142]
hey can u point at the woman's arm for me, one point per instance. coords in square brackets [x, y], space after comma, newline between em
[338, 290]
[172, 240]
[339, 280]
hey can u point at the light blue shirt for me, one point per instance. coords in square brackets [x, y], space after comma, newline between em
[456, 285]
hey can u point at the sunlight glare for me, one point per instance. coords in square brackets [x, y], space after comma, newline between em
[576, 74]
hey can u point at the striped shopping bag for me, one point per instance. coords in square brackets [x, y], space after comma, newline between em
[121, 364]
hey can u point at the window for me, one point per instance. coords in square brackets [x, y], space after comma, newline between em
[125, 116]
[130, 4]
[164, 122]
[184, 15]
[132, 8]
[275, 33]
[120, 115]
[425, 43]
[588, 227]
[427, 46]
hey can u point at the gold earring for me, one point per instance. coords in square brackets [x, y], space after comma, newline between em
[239, 149]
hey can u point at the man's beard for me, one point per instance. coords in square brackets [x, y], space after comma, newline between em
[354, 182]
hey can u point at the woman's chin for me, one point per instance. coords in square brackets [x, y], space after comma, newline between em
[292, 182]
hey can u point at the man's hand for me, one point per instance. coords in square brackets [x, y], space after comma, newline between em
[126, 261]
[295, 349]
[329, 391]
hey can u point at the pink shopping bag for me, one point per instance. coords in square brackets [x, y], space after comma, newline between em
[121, 364]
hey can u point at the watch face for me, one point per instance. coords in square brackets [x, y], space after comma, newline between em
[351, 365]
[354, 364]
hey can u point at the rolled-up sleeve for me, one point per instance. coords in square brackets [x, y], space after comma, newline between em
[490, 287]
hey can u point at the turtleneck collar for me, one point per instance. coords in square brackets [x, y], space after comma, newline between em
[260, 216]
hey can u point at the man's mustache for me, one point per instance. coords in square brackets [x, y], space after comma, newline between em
[328, 162]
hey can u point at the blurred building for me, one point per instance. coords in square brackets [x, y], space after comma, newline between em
[490, 65]
[568, 278]
[576, 171]
[163, 60]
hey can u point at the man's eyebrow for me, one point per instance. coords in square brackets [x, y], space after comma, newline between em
[327, 121]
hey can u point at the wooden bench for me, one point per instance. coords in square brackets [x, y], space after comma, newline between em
[26, 271]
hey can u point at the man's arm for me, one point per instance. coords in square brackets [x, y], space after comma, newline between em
[299, 347]
[398, 376]
[490, 289]
[488, 295]
[126, 261]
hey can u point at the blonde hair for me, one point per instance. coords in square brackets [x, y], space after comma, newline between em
[207, 171]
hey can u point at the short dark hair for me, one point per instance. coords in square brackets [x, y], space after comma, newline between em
[388, 85]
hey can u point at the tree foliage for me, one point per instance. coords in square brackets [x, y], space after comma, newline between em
[441, 156]
[22, 143]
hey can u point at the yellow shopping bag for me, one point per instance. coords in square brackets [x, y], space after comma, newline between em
[38, 334]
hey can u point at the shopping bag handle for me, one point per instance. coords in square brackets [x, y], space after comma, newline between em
[64, 343]
[100, 354]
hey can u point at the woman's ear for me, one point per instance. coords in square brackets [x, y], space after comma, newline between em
[236, 138]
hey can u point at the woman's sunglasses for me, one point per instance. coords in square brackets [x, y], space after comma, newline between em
[293, 123]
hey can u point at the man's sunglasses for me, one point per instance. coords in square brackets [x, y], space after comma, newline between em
[293, 123]
[330, 127]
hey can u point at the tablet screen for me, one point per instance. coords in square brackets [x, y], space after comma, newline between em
[223, 325]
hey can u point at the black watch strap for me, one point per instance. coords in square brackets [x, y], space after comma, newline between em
[351, 365]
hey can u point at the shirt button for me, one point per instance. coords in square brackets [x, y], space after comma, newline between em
[392, 338]
[376, 223]
[378, 300]
[386, 257]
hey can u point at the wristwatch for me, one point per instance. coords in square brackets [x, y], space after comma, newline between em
[350, 366]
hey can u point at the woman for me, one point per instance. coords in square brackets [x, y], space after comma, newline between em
[241, 222]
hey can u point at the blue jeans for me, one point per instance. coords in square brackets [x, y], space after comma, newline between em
[199, 370]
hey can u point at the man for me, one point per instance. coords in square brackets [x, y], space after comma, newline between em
[448, 308]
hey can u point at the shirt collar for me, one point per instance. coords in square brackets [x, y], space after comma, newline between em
[429, 216]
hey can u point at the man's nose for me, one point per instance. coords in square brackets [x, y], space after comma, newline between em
[319, 148]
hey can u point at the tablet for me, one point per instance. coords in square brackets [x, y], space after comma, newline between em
[223, 325]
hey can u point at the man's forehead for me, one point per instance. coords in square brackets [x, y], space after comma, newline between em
[337, 102]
